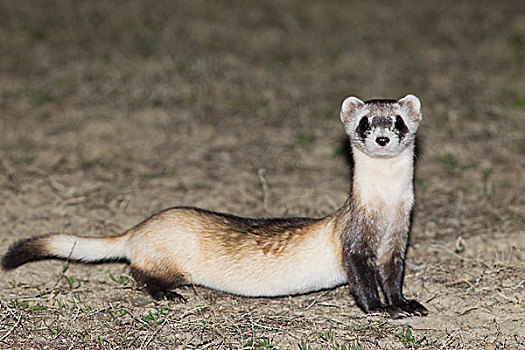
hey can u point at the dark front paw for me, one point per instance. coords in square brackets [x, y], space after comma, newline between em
[416, 308]
[412, 307]
[392, 311]
[396, 312]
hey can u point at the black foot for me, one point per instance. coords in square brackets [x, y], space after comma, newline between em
[396, 312]
[167, 295]
[404, 309]
[158, 288]
[392, 311]
[415, 308]
[412, 307]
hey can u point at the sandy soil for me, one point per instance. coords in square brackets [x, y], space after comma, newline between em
[112, 111]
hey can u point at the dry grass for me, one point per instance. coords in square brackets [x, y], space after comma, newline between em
[113, 110]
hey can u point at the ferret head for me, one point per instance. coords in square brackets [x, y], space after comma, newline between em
[381, 128]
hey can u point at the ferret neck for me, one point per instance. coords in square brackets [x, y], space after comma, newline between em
[383, 182]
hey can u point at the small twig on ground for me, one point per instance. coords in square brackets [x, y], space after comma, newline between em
[10, 174]
[331, 201]
[12, 328]
[315, 300]
[260, 173]
[462, 258]
[154, 334]
[17, 317]
[62, 275]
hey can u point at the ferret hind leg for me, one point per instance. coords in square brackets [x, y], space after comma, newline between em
[158, 287]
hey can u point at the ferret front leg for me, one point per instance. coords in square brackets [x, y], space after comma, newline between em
[391, 270]
[362, 279]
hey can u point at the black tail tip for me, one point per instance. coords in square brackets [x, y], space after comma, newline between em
[22, 252]
[8, 262]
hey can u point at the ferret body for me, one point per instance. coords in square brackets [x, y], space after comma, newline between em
[362, 244]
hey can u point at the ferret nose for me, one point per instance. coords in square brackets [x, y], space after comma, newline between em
[382, 140]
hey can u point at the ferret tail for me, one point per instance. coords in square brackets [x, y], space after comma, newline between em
[62, 246]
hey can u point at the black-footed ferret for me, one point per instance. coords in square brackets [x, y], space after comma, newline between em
[362, 244]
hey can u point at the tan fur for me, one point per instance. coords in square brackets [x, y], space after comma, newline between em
[210, 250]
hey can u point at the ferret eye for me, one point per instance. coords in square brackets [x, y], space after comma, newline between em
[400, 125]
[363, 127]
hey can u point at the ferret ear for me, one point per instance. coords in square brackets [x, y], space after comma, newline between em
[350, 106]
[412, 106]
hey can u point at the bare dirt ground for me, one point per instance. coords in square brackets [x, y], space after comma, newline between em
[111, 111]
